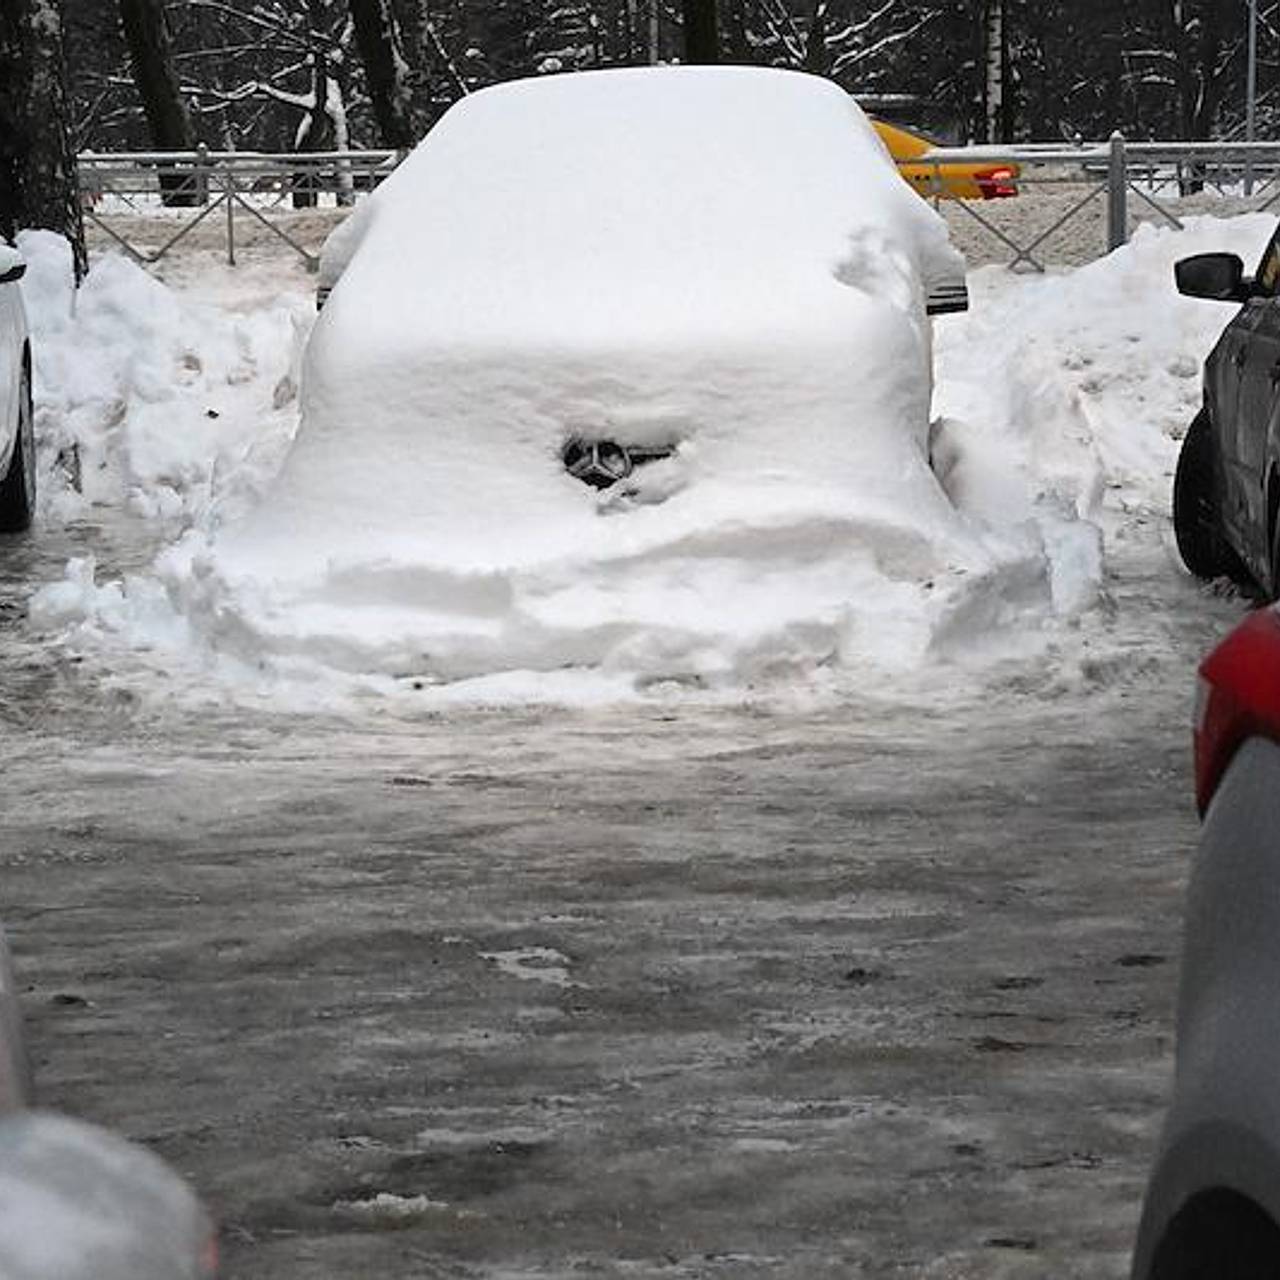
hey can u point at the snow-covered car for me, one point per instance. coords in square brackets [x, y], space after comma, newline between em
[626, 368]
[1212, 1206]
[1226, 496]
[80, 1203]
[17, 441]
[584, 260]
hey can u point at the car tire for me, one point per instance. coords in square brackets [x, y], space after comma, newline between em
[18, 488]
[1195, 508]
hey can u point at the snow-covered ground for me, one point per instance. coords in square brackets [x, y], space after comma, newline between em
[1059, 404]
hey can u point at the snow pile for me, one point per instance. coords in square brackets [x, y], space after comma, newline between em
[501, 296]
[741, 285]
[1066, 397]
[147, 399]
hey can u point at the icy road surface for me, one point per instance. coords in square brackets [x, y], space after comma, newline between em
[864, 977]
[881, 989]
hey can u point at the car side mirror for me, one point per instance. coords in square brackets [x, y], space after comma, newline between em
[12, 266]
[1216, 276]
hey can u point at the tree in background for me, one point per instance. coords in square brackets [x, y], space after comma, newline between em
[278, 74]
[701, 34]
[386, 72]
[147, 35]
[37, 164]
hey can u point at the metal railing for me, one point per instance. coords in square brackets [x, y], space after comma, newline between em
[1113, 184]
[193, 186]
[1114, 181]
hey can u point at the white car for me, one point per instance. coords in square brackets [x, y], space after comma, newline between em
[17, 439]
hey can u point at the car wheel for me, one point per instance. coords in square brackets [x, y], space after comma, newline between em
[1195, 508]
[18, 488]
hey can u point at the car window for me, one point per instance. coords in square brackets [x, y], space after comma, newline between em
[1268, 277]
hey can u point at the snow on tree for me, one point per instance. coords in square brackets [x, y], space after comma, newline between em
[250, 71]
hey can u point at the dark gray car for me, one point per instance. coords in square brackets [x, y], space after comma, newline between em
[1226, 500]
[1213, 1201]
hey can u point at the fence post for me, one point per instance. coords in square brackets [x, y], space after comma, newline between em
[202, 174]
[229, 191]
[1117, 194]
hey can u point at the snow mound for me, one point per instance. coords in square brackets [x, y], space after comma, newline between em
[145, 399]
[423, 534]
[1066, 397]
[742, 286]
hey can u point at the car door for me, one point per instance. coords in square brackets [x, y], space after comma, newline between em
[1245, 508]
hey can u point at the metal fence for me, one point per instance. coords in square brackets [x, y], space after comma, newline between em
[191, 187]
[1111, 186]
[149, 202]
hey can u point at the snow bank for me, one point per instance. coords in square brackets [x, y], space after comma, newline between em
[147, 399]
[423, 534]
[1070, 394]
[741, 283]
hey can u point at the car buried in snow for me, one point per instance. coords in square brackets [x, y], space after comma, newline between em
[625, 369]
[1212, 1206]
[1226, 495]
[636, 211]
[17, 440]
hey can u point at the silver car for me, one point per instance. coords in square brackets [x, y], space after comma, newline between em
[17, 438]
[1213, 1201]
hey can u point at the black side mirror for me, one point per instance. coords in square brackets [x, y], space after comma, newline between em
[14, 273]
[1216, 276]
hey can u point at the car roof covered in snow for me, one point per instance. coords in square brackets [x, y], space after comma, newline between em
[619, 199]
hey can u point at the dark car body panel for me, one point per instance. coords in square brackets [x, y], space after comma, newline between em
[1222, 1132]
[1242, 397]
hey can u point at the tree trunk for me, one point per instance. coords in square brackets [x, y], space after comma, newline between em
[995, 57]
[817, 58]
[157, 82]
[701, 40]
[38, 184]
[385, 71]
[737, 41]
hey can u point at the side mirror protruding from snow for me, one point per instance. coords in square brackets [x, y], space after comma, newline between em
[1217, 276]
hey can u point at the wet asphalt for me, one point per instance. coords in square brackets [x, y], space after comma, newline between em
[879, 988]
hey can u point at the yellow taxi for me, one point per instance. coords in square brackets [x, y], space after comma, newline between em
[949, 179]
